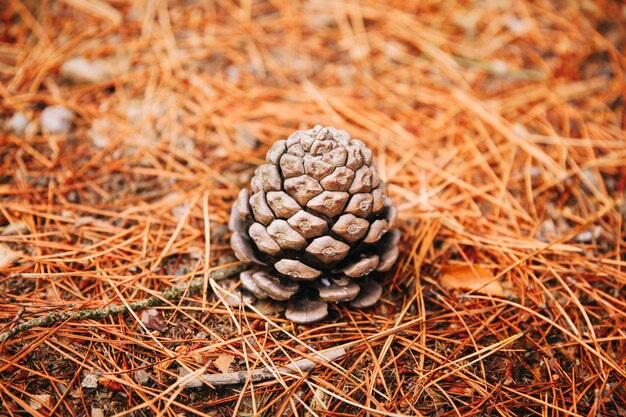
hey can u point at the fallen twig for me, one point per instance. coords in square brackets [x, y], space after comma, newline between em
[240, 377]
[301, 365]
[171, 293]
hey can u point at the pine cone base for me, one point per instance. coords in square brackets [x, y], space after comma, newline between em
[317, 225]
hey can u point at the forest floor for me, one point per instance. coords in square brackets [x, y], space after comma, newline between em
[127, 128]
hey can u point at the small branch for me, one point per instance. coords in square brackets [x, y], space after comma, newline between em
[190, 379]
[172, 293]
[233, 378]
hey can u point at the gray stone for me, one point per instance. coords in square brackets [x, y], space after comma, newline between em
[142, 377]
[18, 123]
[56, 119]
[90, 380]
[80, 70]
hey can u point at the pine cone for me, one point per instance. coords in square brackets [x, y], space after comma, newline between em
[317, 225]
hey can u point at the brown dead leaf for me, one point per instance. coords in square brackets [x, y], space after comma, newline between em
[8, 255]
[470, 278]
[40, 400]
[153, 320]
[223, 362]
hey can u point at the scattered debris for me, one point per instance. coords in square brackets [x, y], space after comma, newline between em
[153, 320]
[189, 382]
[232, 74]
[468, 21]
[499, 67]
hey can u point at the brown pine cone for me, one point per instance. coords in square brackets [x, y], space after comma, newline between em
[317, 225]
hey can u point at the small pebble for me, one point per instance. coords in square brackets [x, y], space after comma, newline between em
[18, 123]
[81, 71]
[61, 387]
[588, 236]
[90, 381]
[56, 119]
[142, 377]
[97, 412]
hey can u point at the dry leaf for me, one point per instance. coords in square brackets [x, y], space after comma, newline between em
[470, 278]
[40, 400]
[223, 362]
[153, 320]
[8, 255]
